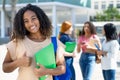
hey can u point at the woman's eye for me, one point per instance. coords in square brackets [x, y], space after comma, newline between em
[34, 18]
[25, 21]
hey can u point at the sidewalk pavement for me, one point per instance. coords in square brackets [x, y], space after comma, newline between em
[97, 75]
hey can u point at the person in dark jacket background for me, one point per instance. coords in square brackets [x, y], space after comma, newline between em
[65, 36]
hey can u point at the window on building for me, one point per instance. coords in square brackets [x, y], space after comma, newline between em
[99, 30]
[118, 1]
[96, 5]
[111, 4]
[103, 5]
[118, 5]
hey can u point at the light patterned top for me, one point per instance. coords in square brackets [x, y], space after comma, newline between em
[112, 49]
[18, 49]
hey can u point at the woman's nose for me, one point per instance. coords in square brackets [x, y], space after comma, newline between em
[31, 23]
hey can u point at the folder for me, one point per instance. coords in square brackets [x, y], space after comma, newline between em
[70, 46]
[96, 45]
[46, 57]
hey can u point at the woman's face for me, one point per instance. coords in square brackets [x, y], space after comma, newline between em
[31, 22]
[69, 31]
[86, 28]
[103, 31]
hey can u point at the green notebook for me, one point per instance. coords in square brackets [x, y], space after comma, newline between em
[70, 46]
[46, 57]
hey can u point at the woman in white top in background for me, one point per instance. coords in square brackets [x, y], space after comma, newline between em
[110, 48]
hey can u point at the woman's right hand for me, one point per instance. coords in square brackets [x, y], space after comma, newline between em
[74, 54]
[40, 71]
[10, 65]
[81, 46]
[24, 61]
[104, 53]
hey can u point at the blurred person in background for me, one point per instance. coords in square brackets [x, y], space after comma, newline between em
[65, 36]
[79, 34]
[110, 49]
[86, 46]
[119, 37]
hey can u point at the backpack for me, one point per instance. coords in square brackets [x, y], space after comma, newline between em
[65, 76]
[54, 41]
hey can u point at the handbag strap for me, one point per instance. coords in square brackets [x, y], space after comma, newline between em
[54, 41]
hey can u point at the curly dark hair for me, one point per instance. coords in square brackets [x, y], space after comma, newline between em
[19, 30]
[110, 31]
[91, 27]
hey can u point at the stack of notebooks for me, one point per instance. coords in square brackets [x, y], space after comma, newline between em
[70, 46]
[46, 57]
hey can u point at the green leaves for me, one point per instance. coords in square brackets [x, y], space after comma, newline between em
[110, 14]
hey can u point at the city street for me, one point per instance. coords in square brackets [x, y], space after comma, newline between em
[96, 76]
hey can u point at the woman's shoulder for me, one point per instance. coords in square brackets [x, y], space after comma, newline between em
[95, 36]
[12, 42]
[114, 42]
[64, 36]
[111, 42]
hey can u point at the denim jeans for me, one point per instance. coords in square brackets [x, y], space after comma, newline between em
[69, 63]
[87, 65]
[109, 74]
[70, 72]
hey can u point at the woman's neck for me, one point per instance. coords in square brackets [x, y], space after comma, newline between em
[36, 37]
[107, 39]
[88, 35]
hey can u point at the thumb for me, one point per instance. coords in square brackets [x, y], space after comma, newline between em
[38, 64]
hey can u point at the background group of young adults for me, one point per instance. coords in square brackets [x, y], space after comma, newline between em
[32, 31]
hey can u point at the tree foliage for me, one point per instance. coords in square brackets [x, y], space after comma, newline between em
[110, 14]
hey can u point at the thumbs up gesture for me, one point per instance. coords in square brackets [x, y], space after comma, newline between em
[24, 61]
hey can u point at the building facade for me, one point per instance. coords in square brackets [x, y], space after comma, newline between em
[76, 11]
[104, 4]
[99, 6]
